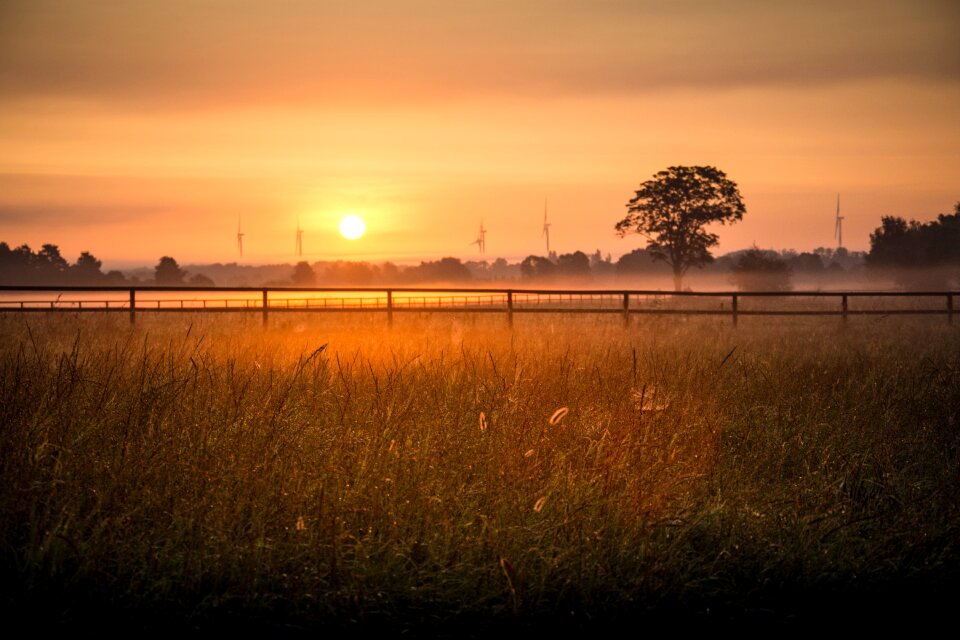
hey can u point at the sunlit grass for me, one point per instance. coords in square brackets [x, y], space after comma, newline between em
[335, 471]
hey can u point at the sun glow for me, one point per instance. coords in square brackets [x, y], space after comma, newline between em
[352, 227]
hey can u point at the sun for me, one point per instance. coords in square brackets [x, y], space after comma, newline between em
[352, 227]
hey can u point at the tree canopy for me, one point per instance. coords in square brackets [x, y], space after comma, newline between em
[168, 272]
[672, 209]
[537, 268]
[303, 274]
[917, 254]
[443, 270]
[759, 270]
[574, 265]
[47, 266]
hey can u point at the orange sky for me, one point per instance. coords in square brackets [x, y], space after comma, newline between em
[139, 129]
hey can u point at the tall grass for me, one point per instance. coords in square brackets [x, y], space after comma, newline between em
[335, 472]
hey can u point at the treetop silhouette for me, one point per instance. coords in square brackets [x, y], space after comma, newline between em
[168, 272]
[672, 209]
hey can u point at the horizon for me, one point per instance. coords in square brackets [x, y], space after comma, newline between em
[428, 120]
[150, 264]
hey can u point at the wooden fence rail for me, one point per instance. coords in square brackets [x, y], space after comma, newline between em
[391, 300]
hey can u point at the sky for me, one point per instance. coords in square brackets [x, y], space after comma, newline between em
[136, 129]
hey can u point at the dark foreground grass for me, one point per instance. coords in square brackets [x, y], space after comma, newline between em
[195, 473]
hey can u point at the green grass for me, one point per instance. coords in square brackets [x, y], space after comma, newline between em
[199, 471]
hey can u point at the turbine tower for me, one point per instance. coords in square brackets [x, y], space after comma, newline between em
[299, 239]
[546, 226]
[838, 226]
[481, 240]
[239, 237]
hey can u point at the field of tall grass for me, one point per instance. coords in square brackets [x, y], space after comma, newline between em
[453, 475]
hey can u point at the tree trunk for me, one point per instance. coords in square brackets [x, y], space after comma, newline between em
[677, 278]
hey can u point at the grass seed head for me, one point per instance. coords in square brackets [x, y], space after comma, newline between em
[558, 415]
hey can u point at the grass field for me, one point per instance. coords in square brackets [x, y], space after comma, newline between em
[451, 475]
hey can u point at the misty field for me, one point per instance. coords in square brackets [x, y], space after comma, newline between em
[450, 474]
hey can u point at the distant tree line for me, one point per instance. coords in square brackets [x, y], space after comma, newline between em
[47, 267]
[915, 254]
[168, 273]
[23, 266]
[911, 253]
[759, 270]
[345, 273]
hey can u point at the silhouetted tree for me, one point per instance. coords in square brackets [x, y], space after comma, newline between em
[671, 210]
[389, 272]
[23, 266]
[500, 269]
[342, 272]
[443, 270]
[757, 270]
[537, 268]
[600, 266]
[168, 272]
[574, 265]
[114, 277]
[917, 254]
[51, 266]
[86, 270]
[303, 275]
[895, 243]
[200, 280]
[825, 253]
[807, 263]
[479, 269]
[16, 265]
[943, 238]
[639, 261]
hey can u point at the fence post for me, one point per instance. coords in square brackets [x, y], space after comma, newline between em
[845, 308]
[949, 308]
[626, 309]
[389, 307]
[510, 307]
[264, 307]
[133, 306]
[733, 308]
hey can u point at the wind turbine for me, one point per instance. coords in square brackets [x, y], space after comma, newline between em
[299, 239]
[481, 240]
[546, 226]
[239, 237]
[838, 226]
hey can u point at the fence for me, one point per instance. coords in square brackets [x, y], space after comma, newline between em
[391, 300]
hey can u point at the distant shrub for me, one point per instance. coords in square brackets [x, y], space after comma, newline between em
[758, 270]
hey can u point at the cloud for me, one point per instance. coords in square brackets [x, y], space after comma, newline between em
[55, 200]
[180, 54]
[72, 214]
